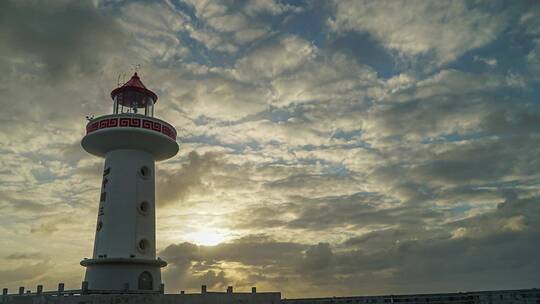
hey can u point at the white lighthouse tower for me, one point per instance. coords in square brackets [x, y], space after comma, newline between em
[131, 140]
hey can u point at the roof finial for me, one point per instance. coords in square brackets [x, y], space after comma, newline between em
[136, 68]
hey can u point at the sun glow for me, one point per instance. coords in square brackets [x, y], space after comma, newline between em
[206, 237]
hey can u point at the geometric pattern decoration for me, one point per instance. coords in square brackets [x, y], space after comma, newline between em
[131, 122]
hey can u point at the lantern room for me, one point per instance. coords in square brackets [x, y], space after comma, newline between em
[133, 98]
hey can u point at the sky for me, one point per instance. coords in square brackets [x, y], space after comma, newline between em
[327, 148]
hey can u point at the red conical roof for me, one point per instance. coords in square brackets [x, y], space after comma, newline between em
[134, 84]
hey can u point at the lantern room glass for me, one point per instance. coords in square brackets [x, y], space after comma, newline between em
[133, 103]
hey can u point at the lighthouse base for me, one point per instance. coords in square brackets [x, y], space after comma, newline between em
[123, 274]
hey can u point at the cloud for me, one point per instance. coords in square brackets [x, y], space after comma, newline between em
[175, 186]
[318, 258]
[247, 35]
[440, 31]
[50, 45]
[472, 162]
[533, 59]
[510, 216]
[489, 61]
[530, 21]
[228, 23]
[180, 273]
[465, 260]
[23, 273]
[266, 7]
[191, 265]
[449, 102]
[24, 256]
[153, 29]
[217, 21]
[23, 204]
[381, 260]
[284, 54]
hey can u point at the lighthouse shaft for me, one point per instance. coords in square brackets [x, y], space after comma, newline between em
[124, 256]
[126, 218]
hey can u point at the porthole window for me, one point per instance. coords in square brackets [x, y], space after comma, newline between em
[99, 225]
[143, 245]
[145, 172]
[144, 208]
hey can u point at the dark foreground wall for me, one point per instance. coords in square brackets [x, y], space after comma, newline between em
[207, 298]
[520, 296]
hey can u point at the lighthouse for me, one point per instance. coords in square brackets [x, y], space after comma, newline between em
[131, 140]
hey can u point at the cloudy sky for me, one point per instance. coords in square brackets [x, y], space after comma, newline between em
[327, 148]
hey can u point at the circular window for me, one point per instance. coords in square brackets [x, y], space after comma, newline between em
[99, 225]
[144, 208]
[143, 245]
[145, 172]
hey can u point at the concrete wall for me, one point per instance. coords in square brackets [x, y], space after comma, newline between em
[480, 297]
[207, 298]
[520, 296]
[124, 226]
[115, 277]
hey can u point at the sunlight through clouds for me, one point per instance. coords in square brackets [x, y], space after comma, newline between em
[206, 237]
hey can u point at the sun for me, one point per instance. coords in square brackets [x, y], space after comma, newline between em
[206, 237]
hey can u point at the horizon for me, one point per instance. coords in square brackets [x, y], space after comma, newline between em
[326, 148]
